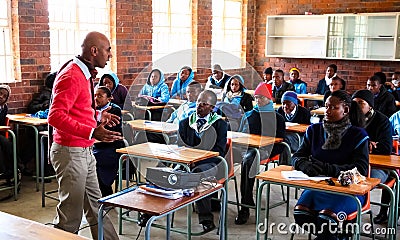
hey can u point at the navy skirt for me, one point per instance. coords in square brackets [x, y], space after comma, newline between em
[318, 201]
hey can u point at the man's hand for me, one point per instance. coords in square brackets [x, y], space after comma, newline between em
[104, 135]
[109, 119]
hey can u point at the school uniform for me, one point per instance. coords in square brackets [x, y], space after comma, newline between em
[106, 156]
[352, 152]
[299, 115]
[277, 92]
[212, 135]
[262, 121]
[159, 91]
[384, 102]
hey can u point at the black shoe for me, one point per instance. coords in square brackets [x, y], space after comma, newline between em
[143, 218]
[208, 225]
[242, 217]
[381, 218]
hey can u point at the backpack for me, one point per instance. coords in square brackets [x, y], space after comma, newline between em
[231, 111]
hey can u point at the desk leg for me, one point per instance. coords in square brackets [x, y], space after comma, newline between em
[392, 222]
[223, 232]
[148, 228]
[166, 138]
[14, 144]
[358, 219]
[42, 169]
[36, 155]
[189, 222]
[149, 112]
[258, 210]
[168, 227]
[100, 222]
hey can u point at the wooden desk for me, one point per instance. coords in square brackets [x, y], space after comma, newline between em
[170, 153]
[166, 129]
[148, 109]
[252, 140]
[277, 105]
[176, 102]
[391, 163]
[320, 111]
[157, 207]
[297, 128]
[250, 91]
[15, 169]
[22, 119]
[316, 97]
[173, 154]
[127, 113]
[273, 176]
[17, 228]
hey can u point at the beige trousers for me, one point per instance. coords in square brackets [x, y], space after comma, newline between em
[78, 190]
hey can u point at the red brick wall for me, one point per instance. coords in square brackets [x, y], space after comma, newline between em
[134, 39]
[355, 72]
[134, 42]
[34, 38]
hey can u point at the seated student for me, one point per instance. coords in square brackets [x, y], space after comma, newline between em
[323, 84]
[294, 113]
[6, 154]
[383, 100]
[185, 110]
[155, 86]
[267, 75]
[337, 144]
[394, 86]
[106, 156]
[205, 130]
[183, 78]
[379, 131]
[262, 120]
[41, 102]
[336, 84]
[235, 93]
[279, 86]
[300, 87]
[39, 108]
[119, 92]
[218, 78]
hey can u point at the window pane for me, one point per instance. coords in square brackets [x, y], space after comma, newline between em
[172, 34]
[6, 48]
[227, 33]
[69, 23]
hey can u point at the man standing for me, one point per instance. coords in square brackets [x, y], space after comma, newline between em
[72, 115]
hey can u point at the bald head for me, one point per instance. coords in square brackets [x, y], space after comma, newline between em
[96, 49]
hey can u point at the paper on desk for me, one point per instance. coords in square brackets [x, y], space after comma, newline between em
[299, 175]
[173, 196]
[290, 124]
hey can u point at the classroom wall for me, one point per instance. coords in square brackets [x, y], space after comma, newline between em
[133, 26]
[312, 70]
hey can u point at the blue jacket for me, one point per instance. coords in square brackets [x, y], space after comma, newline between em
[159, 91]
[179, 88]
[300, 87]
